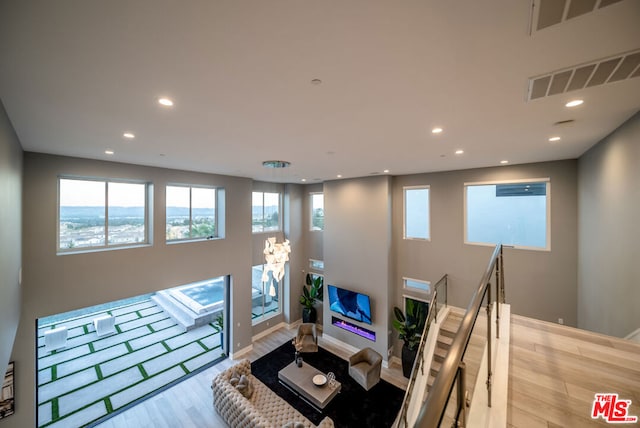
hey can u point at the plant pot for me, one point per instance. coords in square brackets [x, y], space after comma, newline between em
[309, 315]
[408, 357]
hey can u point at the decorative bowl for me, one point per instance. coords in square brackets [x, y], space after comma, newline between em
[319, 380]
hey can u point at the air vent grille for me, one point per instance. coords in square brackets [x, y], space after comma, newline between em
[607, 70]
[552, 12]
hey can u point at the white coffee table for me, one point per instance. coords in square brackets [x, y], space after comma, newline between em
[299, 381]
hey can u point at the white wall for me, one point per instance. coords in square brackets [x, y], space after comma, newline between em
[10, 237]
[357, 249]
[539, 284]
[58, 283]
[609, 255]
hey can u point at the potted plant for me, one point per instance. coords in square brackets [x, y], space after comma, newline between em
[410, 333]
[309, 297]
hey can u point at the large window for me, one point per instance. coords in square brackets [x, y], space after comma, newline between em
[191, 213]
[101, 213]
[416, 213]
[265, 212]
[317, 211]
[513, 213]
[265, 296]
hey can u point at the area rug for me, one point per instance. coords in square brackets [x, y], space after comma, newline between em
[352, 407]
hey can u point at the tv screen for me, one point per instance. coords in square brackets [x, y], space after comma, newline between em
[350, 304]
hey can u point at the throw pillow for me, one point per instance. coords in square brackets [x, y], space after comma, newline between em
[293, 424]
[234, 379]
[244, 386]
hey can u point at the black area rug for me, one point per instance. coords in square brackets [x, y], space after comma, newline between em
[352, 407]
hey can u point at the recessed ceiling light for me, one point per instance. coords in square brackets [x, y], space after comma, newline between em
[339, 175]
[504, 162]
[386, 171]
[129, 135]
[574, 103]
[303, 180]
[316, 81]
[436, 130]
[108, 152]
[459, 152]
[554, 139]
[165, 101]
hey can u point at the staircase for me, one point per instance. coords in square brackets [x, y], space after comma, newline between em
[446, 334]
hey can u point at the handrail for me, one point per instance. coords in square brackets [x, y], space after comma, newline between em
[433, 409]
[419, 361]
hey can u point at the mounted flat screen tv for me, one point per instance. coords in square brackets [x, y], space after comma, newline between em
[350, 304]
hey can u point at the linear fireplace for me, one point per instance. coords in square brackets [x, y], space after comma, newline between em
[360, 331]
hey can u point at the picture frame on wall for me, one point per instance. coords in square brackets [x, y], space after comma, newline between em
[7, 394]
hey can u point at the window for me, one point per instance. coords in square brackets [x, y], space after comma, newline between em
[316, 264]
[515, 213]
[416, 212]
[317, 211]
[265, 296]
[191, 213]
[417, 285]
[265, 209]
[100, 213]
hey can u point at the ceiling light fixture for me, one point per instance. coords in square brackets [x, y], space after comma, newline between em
[554, 139]
[275, 255]
[436, 130]
[574, 103]
[459, 152]
[316, 81]
[386, 171]
[165, 102]
[109, 152]
[129, 135]
[504, 162]
[339, 175]
[304, 180]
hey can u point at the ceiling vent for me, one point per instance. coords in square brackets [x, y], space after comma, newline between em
[550, 12]
[608, 70]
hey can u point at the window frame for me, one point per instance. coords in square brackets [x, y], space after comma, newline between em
[313, 267]
[546, 180]
[279, 227]
[311, 209]
[148, 190]
[404, 212]
[216, 210]
[416, 290]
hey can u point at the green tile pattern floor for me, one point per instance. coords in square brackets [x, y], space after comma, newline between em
[93, 376]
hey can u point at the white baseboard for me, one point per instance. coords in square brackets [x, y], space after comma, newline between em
[634, 336]
[268, 331]
[238, 354]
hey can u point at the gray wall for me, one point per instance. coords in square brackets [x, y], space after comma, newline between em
[54, 284]
[609, 201]
[10, 237]
[357, 246]
[539, 284]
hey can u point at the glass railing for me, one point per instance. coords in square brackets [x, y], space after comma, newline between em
[453, 388]
[419, 374]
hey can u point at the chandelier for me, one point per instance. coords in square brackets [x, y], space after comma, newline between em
[275, 255]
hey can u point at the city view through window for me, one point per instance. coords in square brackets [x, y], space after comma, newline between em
[94, 213]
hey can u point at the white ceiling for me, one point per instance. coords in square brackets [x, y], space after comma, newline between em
[75, 75]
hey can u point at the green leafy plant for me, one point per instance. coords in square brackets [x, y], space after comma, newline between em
[408, 325]
[219, 322]
[313, 292]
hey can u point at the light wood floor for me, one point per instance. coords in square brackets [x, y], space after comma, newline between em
[190, 404]
[554, 372]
